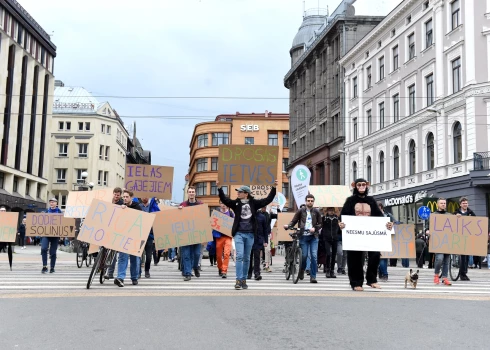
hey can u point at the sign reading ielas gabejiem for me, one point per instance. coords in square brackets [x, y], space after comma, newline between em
[147, 181]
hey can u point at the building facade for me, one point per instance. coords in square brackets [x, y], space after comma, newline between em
[418, 107]
[26, 85]
[86, 136]
[235, 129]
[315, 89]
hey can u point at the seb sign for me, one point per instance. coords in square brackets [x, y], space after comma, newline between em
[249, 127]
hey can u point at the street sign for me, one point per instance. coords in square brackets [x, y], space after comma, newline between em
[423, 212]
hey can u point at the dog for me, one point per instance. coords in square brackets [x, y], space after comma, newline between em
[412, 277]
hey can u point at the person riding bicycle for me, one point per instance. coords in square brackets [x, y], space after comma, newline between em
[463, 261]
[309, 220]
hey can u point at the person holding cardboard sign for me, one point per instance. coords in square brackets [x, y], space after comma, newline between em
[50, 242]
[441, 259]
[463, 259]
[244, 226]
[223, 245]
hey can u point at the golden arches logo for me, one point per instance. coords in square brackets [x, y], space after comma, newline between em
[432, 206]
[451, 206]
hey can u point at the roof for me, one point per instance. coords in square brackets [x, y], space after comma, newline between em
[77, 100]
[307, 30]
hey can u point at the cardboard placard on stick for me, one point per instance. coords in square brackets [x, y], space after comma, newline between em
[93, 248]
[182, 227]
[330, 196]
[8, 226]
[147, 181]
[282, 234]
[78, 202]
[247, 164]
[49, 225]
[466, 235]
[366, 233]
[109, 225]
[222, 223]
[402, 243]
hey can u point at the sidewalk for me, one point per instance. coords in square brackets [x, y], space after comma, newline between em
[33, 253]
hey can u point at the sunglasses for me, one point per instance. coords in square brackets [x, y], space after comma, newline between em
[310, 200]
[361, 184]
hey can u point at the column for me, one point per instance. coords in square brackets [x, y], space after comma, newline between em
[469, 41]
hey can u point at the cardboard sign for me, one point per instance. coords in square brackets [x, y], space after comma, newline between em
[78, 202]
[402, 243]
[49, 225]
[466, 235]
[182, 227]
[93, 248]
[147, 181]
[8, 226]
[330, 196]
[222, 223]
[109, 225]
[366, 234]
[282, 234]
[247, 164]
[260, 191]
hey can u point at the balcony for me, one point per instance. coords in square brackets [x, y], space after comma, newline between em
[481, 161]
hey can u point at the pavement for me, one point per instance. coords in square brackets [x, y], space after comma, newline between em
[56, 311]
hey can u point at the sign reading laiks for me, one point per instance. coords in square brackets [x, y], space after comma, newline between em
[108, 225]
[182, 227]
[147, 181]
[466, 235]
[221, 222]
[300, 180]
[78, 202]
[330, 196]
[366, 233]
[49, 225]
[8, 226]
[247, 164]
[402, 243]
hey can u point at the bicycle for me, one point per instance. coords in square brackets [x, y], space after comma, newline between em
[102, 263]
[294, 257]
[82, 254]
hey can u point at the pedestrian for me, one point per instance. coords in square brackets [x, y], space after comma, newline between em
[463, 259]
[330, 229]
[260, 241]
[223, 244]
[116, 199]
[419, 251]
[149, 206]
[22, 234]
[244, 226]
[191, 254]
[50, 243]
[123, 259]
[266, 248]
[431, 255]
[383, 262]
[441, 259]
[211, 248]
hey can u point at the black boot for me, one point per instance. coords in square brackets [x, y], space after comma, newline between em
[328, 274]
[332, 274]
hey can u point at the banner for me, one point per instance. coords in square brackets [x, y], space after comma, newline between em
[330, 196]
[366, 233]
[247, 164]
[222, 223]
[49, 225]
[466, 235]
[147, 181]
[178, 228]
[78, 202]
[402, 243]
[108, 225]
[300, 180]
[8, 226]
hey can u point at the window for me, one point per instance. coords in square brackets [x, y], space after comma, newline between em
[214, 189]
[68, 126]
[63, 150]
[61, 175]
[411, 46]
[80, 126]
[82, 150]
[102, 129]
[108, 129]
[428, 33]
[456, 74]
[396, 108]
[457, 145]
[101, 152]
[2, 180]
[202, 140]
[379, 44]
[63, 201]
[368, 73]
[285, 189]
[273, 140]
[106, 178]
[369, 122]
[430, 151]
[354, 85]
[429, 81]
[202, 164]
[354, 170]
[285, 140]
[285, 163]
[220, 138]
[396, 163]
[249, 140]
[354, 122]
[16, 185]
[87, 126]
[381, 115]
[200, 188]
[225, 189]
[411, 158]
[411, 99]
[455, 14]
[61, 126]
[100, 177]
[426, 5]
[393, 32]
[395, 57]
[107, 152]
[28, 188]
[79, 175]
[367, 54]
[214, 164]
[368, 169]
[38, 190]
[382, 68]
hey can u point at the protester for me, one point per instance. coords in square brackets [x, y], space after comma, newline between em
[260, 241]
[149, 206]
[116, 199]
[383, 262]
[50, 243]
[330, 229]
[22, 234]
[266, 248]
[463, 259]
[441, 259]
[223, 245]
[420, 251]
[244, 226]
[211, 248]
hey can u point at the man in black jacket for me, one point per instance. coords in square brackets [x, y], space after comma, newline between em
[330, 228]
[260, 241]
[244, 226]
[463, 259]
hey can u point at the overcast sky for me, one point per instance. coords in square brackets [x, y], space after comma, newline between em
[179, 48]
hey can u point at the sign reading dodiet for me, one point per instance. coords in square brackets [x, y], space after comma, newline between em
[366, 234]
[300, 180]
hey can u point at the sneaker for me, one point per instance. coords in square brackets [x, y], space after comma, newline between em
[339, 271]
[249, 277]
[199, 269]
[147, 274]
[446, 282]
[332, 274]
[313, 280]
[109, 277]
[436, 279]
[135, 282]
[44, 270]
[197, 273]
[119, 282]
[464, 278]
[301, 274]
[223, 275]
[244, 284]
[327, 274]
[308, 272]
[342, 272]
[187, 278]
[220, 273]
[268, 269]
[258, 278]
[51, 270]
[238, 284]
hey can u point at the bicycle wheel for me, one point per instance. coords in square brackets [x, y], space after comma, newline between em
[97, 262]
[80, 256]
[298, 256]
[454, 267]
[108, 256]
[287, 264]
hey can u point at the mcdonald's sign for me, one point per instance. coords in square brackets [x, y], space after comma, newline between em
[451, 205]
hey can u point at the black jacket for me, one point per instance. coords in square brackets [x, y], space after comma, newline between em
[134, 205]
[300, 219]
[469, 212]
[236, 206]
[330, 228]
[22, 230]
[263, 230]
[350, 203]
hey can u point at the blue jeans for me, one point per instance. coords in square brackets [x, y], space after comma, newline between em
[308, 262]
[122, 265]
[341, 257]
[45, 242]
[190, 258]
[171, 253]
[442, 260]
[405, 262]
[243, 246]
[383, 267]
[470, 260]
[309, 246]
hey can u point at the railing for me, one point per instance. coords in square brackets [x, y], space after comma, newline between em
[481, 161]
